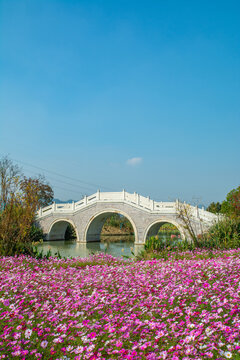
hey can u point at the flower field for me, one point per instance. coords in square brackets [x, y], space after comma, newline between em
[108, 308]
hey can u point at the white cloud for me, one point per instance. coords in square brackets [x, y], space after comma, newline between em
[134, 161]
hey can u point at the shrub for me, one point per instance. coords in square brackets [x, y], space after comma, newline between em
[20, 197]
[225, 234]
[36, 234]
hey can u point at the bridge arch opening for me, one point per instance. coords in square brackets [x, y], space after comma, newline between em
[110, 223]
[164, 229]
[62, 229]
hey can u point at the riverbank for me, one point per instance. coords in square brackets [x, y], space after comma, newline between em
[113, 230]
[109, 308]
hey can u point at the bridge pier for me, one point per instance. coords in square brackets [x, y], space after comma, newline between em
[93, 238]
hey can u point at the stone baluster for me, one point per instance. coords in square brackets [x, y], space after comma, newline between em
[177, 205]
[98, 195]
[152, 207]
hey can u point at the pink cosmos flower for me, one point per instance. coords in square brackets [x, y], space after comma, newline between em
[44, 344]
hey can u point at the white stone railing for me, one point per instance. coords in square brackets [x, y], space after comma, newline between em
[136, 200]
[203, 215]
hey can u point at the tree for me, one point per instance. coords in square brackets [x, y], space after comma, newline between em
[9, 176]
[40, 193]
[214, 207]
[231, 206]
[185, 214]
[20, 199]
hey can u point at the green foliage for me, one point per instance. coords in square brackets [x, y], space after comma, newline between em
[14, 245]
[40, 255]
[42, 191]
[226, 208]
[158, 243]
[225, 234]
[70, 233]
[214, 207]
[119, 221]
[36, 234]
[15, 227]
[168, 227]
[159, 248]
[114, 220]
[231, 206]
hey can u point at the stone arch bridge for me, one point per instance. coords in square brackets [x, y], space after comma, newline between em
[88, 215]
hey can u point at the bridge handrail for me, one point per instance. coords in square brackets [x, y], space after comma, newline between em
[134, 199]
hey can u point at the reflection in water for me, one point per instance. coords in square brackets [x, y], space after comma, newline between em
[113, 245]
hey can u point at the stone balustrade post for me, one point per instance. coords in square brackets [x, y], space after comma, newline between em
[85, 200]
[123, 194]
[152, 208]
[98, 195]
[73, 206]
[197, 211]
[54, 206]
[177, 204]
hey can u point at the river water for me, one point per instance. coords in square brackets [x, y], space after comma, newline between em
[113, 245]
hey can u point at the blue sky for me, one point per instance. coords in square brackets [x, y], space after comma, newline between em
[141, 95]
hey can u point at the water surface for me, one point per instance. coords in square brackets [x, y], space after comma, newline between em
[113, 245]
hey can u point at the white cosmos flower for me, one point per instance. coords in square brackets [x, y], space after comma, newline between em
[28, 333]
